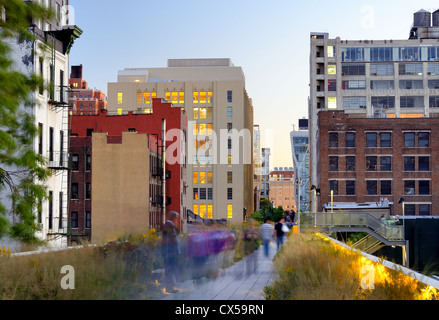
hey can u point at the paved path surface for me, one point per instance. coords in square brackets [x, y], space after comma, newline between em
[245, 280]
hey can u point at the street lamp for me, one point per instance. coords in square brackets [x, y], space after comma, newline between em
[404, 248]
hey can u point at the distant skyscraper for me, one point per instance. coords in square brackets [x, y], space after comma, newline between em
[300, 151]
[265, 173]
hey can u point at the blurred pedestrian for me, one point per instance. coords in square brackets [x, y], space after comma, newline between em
[267, 234]
[170, 250]
[279, 233]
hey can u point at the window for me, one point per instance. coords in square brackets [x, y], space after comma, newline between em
[332, 69]
[411, 84]
[410, 53]
[433, 68]
[333, 163]
[333, 186]
[371, 187]
[209, 194]
[51, 133]
[409, 187]
[424, 164]
[202, 178]
[209, 177]
[423, 139]
[382, 69]
[332, 102]
[230, 211]
[74, 222]
[196, 194]
[229, 112]
[424, 187]
[40, 138]
[371, 140]
[385, 139]
[382, 85]
[410, 69]
[203, 194]
[350, 140]
[195, 97]
[350, 163]
[88, 220]
[409, 163]
[89, 132]
[352, 54]
[332, 85]
[386, 187]
[195, 177]
[229, 96]
[350, 188]
[88, 162]
[229, 127]
[409, 209]
[383, 102]
[75, 162]
[381, 54]
[434, 101]
[210, 211]
[139, 98]
[386, 163]
[412, 102]
[354, 102]
[371, 163]
[409, 139]
[195, 209]
[229, 193]
[331, 51]
[229, 177]
[424, 209]
[354, 85]
[120, 98]
[333, 140]
[87, 190]
[433, 84]
[353, 70]
[75, 191]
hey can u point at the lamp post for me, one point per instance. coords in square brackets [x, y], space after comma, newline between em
[404, 247]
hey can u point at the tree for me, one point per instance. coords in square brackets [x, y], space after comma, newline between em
[22, 170]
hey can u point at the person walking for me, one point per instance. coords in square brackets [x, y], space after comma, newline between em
[267, 234]
[279, 233]
[171, 251]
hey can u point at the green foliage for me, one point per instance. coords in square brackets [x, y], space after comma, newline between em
[22, 174]
[267, 211]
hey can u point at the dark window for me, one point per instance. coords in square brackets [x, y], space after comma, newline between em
[371, 163]
[385, 139]
[424, 210]
[74, 220]
[333, 185]
[229, 193]
[333, 163]
[229, 96]
[61, 200]
[51, 137]
[40, 138]
[354, 70]
[424, 164]
[424, 187]
[350, 139]
[89, 132]
[88, 219]
[371, 187]
[386, 163]
[386, 187]
[409, 163]
[383, 102]
[87, 190]
[409, 187]
[88, 162]
[75, 193]
[333, 140]
[350, 163]
[50, 210]
[75, 162]
[409, 209]
[209, 194]
[350, 188]
[332, 85]
[371, 140]
[423, 139]
[409, 139]
[203, 194]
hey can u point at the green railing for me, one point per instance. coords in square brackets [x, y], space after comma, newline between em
[388, 229]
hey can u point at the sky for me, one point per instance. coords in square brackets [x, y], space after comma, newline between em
[268, 39]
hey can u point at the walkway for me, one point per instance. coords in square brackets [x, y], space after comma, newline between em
[245, 280]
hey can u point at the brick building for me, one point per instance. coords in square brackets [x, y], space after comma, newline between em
[365, 160]
[282, 189]
[84, 101]
[82, 146]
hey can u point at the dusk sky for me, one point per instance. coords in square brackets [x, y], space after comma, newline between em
[268, 39]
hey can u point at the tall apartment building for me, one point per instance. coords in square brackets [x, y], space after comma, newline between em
[220, 128]
[374, 79]
[265, 173]
[300, 151]
[257, 162]
[84, 100]
[48, 56]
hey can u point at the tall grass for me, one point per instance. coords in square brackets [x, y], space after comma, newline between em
[311, 268]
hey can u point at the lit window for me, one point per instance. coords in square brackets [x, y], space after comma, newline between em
[203, 96]
[153, 95]
[119, 97]
[202, 177]
[210, 112]
[229, 160]
[195, 97]
[203, 209]
[230, 211]
[181, 95]
[210, 129]
[139, 98]
[210, 211]
[195, 129]
[195, 209]
[209, 177]
[203, 129]
[203, 113]
[174, 97]
[195, 193]
[196, 113]
[332, 69]
[331, 52]
[147, 97]
[195, 177]
[332, 102]
[168, 96]
[119, 111]
[209, 96]
[229, 177]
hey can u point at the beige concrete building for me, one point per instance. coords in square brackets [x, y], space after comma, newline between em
[220, 128]
[120, 207]
[374, 78]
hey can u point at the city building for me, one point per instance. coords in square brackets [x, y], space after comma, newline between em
[92, 178]
[379, 161]
[47, 55]
[374, 78]
[257, 162]
[220, 128]
[300, 152]
[265, 173]
[282, 187]
[84, 101]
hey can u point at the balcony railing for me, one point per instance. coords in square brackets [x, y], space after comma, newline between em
[59, 161]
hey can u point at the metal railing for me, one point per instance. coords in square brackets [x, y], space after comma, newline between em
[388, 230]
